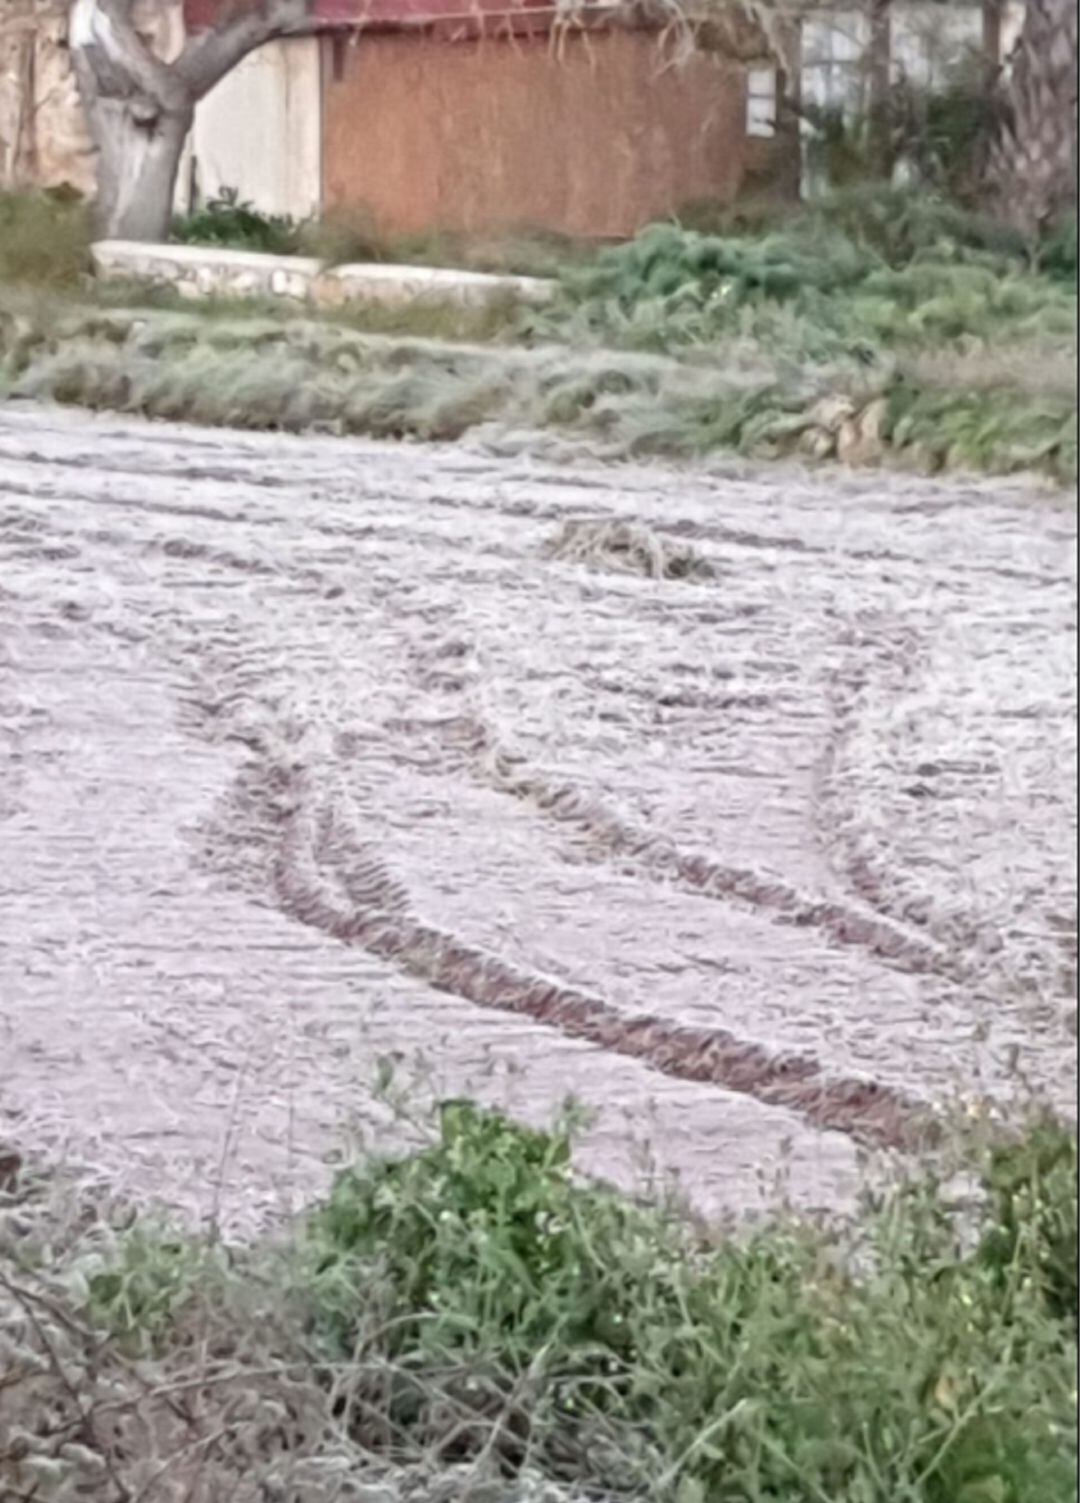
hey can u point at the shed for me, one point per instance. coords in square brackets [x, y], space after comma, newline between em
[490, 116]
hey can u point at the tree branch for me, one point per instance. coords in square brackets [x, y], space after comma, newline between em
[209, 56]
[105, 43]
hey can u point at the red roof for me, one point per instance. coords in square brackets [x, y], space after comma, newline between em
[199, 14]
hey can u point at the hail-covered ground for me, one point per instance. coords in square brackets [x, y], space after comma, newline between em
[736, 803]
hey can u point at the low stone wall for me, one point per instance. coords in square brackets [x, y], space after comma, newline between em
[200, 271]
[373, 282]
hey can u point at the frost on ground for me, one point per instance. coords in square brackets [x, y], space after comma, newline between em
[316, 763]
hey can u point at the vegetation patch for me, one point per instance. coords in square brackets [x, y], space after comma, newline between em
[875, 325]
[861, 274]
[44, 239]
[472, 1321]
[349, 235]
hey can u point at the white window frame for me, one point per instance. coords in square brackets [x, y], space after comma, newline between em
[762, 93]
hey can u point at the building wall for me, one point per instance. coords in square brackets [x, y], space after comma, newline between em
[43, 137]
[259, 132]
[43, 140]
[589, 136]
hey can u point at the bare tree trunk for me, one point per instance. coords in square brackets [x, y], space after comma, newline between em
[140, 108]
[879, 60]
[1033, 161]
[138, 113]
[139, 153]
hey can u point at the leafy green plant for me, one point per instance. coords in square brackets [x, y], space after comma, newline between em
[640, 1359]
[1034, 1234]
[138, 1290]
[229, 221]
[859, 275]
[997, 429]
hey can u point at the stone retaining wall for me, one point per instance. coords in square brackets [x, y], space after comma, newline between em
[199, 271]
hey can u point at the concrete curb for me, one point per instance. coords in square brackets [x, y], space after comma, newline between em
[199, 271]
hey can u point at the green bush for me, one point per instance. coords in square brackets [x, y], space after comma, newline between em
[1034, 1233]
[996, 429]
[627, 1354]
[230, 222]
[1058, 256]
[855, 276]
[900, 224]
[138, 1293]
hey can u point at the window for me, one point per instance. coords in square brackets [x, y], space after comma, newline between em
[761, 102]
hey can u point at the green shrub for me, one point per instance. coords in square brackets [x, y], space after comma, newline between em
[854, 277]
[1034, 1234]
[230, 222]
[138, 1291]
[996, 429]
[1058, 254]
[633, 1357]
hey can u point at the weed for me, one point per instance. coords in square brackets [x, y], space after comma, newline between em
[258, 370]
[1033, 1234]
[139, 1292]
[347, 235]
[678, 343]
[44, 238]
[815, 288]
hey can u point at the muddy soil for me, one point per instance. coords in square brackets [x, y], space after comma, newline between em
[320, 756]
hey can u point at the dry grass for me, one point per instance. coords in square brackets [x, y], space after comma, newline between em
[628, 548]
[1035, 368]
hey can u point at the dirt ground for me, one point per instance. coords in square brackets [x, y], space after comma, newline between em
[315, 755]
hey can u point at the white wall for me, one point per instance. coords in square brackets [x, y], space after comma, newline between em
[260, 132]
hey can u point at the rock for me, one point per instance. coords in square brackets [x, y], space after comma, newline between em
[832, 412]
[859, 440]
[817, 443]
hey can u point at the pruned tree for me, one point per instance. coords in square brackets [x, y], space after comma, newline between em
[140, 107]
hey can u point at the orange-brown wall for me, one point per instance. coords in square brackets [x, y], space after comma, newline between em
[591, 136]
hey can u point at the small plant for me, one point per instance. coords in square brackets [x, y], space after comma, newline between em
[138, 1291]
[1034, 1235]
[228, 221]
[476, 1312]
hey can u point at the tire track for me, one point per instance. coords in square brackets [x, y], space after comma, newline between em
[608, 837]
[325, 877]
